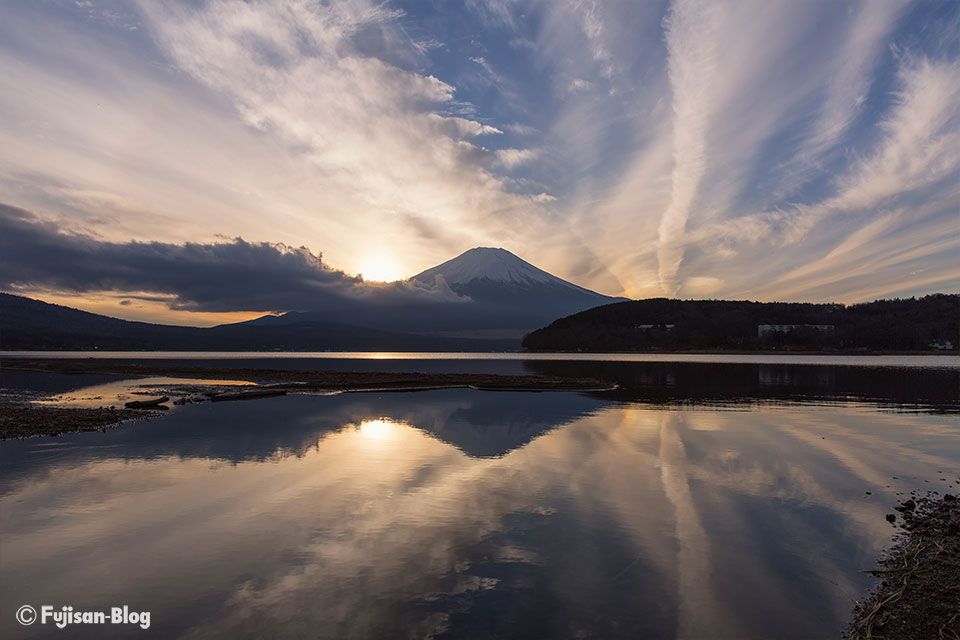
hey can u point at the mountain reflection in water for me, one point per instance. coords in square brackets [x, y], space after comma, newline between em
[458, 514]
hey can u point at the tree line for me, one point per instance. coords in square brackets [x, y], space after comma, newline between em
[661, 324]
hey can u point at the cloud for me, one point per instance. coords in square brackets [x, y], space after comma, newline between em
[906, 158]
[885, 255]
[379, 134]
[703, 140]
[520, 129]
[278, 123]
[498, 13]
[543, 197]
[692, 68]
[702, 285]
[850, 83]
[226, 276]
[511, 158]
[919, 147]
[466, 127]
[709, 115]
[921, 144]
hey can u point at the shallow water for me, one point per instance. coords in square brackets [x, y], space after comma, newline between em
[458, 513]
[117, 392]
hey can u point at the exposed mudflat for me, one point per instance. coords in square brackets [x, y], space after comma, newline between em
[22, 416]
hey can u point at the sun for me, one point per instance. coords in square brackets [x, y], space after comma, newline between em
[380, 268]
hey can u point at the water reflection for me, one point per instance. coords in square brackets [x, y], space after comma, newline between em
[452, 514]
[487, 424]
[117, 392]
[930, 389]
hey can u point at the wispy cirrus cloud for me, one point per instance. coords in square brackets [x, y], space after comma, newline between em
[376, 132]
[749, 149]
[919, 147]
[514, 157]
[693, 71]
[847, 90]
[753, 121]
[238, 113]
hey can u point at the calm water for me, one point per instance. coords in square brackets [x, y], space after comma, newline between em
[699, 501]
[321, 358]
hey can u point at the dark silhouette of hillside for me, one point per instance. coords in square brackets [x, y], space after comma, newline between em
[487, 289]
[660, 324]
[31, 324]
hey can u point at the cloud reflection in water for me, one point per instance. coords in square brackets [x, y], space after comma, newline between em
[367, 514]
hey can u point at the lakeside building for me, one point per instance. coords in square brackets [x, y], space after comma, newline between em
[769, 329]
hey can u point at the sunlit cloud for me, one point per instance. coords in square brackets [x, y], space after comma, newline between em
[513, 157]
[754, 149]
[693, 70]
[847, 91]
[224, 276]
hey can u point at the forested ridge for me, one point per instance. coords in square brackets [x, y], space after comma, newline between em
[908, 324]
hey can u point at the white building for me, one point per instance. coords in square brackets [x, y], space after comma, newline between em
[767, 329]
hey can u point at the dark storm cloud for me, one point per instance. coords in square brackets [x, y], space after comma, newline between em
[229, 276]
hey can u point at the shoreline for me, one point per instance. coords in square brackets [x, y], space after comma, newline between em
[919, 594]
[94, 353]
[313, 379]
[21, 418]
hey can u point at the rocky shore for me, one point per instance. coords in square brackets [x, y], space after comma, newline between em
[919, 593]
[20, 419]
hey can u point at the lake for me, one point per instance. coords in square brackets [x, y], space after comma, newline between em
[699, 500]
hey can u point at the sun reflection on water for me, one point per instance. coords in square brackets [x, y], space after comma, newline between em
[380, 429]
[624, 505]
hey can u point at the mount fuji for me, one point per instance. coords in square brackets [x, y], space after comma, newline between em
[499, 279]
[483, 300]
[489, 293]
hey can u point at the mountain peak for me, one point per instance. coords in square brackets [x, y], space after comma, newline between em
[487, 263]
[490, 251]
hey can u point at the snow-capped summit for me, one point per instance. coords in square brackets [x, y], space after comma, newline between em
[497, 277]
[495, 291]
[494, 265]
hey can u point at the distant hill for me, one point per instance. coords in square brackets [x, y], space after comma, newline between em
[497, 292]
[660, 324]
[493, 298]
[31, 324]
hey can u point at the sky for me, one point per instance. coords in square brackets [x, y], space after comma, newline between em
[155, 155]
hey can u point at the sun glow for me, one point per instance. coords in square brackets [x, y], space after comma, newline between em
[376, 429]
[380, 268]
